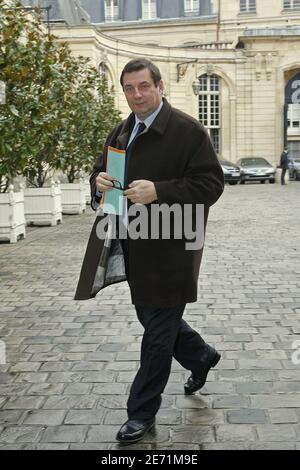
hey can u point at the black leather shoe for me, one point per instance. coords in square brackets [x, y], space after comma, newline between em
[134, 430]
[197, 381]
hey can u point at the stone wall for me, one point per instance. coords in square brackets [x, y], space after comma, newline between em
[253, 60]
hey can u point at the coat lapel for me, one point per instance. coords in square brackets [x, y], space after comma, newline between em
[122, 138]
[161, 121]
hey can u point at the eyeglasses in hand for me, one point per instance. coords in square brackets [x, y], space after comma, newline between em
[118, 185]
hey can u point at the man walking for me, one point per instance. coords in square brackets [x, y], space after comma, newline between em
[169, 160]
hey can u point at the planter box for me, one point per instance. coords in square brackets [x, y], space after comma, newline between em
[87, 191]
[43, 205]
[73, 198]
[12, 220]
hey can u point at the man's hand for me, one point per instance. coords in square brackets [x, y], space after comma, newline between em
[104, 182]
[141, 192]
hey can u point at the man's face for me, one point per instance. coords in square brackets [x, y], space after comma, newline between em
[143, 97]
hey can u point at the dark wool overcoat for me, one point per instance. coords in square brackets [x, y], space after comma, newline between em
[175, 153]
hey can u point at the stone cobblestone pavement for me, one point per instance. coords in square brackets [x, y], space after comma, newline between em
[69, 364]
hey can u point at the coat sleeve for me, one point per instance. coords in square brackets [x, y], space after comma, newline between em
[98, 166]
[203, 180]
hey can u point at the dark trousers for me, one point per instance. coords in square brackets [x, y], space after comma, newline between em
[283, 172]
[166, 336]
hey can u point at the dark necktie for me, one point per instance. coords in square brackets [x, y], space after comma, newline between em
[141, 128]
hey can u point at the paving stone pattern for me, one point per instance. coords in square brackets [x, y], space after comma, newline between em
[70, 364]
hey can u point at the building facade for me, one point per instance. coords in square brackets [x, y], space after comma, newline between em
[232, 64]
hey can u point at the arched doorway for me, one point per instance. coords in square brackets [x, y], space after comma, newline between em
[292, 113]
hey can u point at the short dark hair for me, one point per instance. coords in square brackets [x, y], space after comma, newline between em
[139, 64]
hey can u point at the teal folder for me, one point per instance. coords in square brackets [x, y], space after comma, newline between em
[112, 201]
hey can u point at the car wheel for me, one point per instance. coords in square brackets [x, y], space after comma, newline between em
[272, 181]
[262, 181]
[232, 183]
[242, 182]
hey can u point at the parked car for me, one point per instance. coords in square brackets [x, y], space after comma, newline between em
[256, 169]
[294, 168]
[232, 173]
